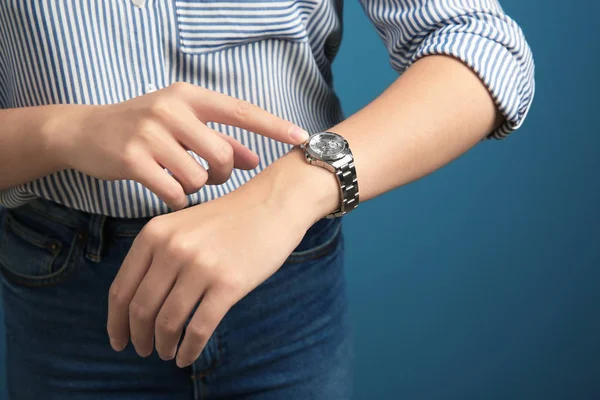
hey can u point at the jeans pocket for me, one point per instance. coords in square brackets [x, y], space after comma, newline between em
[30, 257]
[320, 243]
[209, 26]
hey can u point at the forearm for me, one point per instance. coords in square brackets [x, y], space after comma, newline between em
[431, 115]
[27, 144]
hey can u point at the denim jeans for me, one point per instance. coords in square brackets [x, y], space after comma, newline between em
[288, 339]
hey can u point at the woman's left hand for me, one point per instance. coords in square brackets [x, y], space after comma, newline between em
[215, 252]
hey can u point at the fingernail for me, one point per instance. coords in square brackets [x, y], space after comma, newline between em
[298, 134]
[117, 346]
[182, 364]
[167, 357]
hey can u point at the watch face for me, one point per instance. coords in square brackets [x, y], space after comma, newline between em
[327, 146]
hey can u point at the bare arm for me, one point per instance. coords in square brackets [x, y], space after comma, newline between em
[27, 150]
[429, 116]
[423, 121]
[437, 110]
[137, 139]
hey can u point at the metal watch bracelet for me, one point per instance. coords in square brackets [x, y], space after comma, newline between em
[346, 175]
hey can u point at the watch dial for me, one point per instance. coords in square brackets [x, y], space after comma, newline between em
[327, 145]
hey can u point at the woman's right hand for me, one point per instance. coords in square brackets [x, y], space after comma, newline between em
[139, 138]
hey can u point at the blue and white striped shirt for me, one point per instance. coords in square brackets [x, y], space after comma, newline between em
[274, 53]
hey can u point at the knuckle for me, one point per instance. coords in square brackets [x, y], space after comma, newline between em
[223, 154]
[172, 195]
[153, 231]
[242, 109]
[198, 333]
[182, 248]
[131, 158]
[139, 312]
[161, 107]
[144, 127]
[198, 179]
[166, 324]
[180, 87]
[116, 295]
[230, 282]
[208, 261]
[144, 136]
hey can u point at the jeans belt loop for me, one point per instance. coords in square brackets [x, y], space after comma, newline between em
[95, 238]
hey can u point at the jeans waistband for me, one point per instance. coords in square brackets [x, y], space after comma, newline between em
[94, 229]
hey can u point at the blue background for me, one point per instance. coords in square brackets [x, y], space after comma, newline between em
[482, 280]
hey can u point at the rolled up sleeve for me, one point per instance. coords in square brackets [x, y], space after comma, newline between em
[478, 33]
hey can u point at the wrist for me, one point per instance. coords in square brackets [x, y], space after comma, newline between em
[55, 133]
[51, 132]
[295, 190]
[61, 130]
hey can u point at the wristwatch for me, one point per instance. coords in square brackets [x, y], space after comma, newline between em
[332, 152]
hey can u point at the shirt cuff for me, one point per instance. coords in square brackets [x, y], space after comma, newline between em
[507, 75]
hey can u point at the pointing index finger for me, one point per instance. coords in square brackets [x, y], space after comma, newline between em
[211, 106]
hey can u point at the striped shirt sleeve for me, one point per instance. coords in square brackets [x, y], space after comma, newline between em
[477, 32]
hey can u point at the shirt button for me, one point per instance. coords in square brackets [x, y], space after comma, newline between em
[139, 3]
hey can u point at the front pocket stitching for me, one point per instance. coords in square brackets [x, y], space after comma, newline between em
[11, 225]
[317, 251]
[31, 236]
[45, 280]
[43, 213]
[187, 50]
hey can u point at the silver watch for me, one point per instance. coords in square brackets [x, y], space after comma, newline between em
[332, 152]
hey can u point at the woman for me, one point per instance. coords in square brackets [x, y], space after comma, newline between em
[161, 237]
